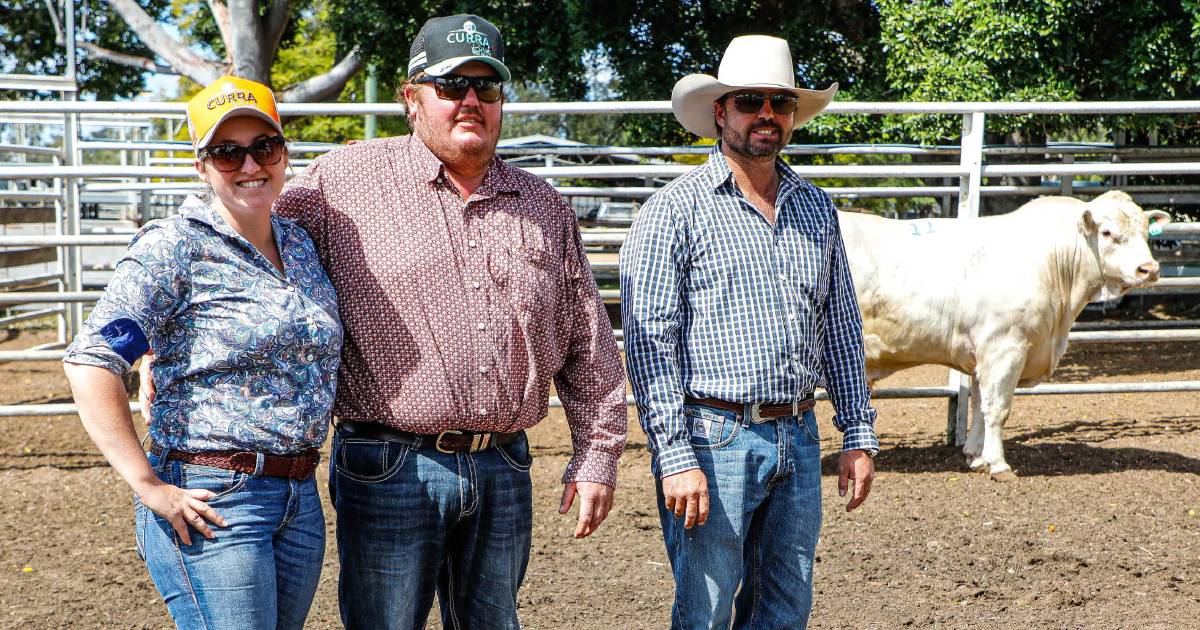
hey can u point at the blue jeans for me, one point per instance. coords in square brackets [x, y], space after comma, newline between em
[261, 570]
[414, 521]
[764, 485]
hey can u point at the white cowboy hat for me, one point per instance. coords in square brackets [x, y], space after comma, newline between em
[751, 61]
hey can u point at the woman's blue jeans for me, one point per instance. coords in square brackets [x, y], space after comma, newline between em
[260, 571]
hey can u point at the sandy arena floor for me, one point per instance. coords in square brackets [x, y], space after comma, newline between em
[1102, 530]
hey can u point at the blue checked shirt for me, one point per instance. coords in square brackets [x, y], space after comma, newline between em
[718, 303]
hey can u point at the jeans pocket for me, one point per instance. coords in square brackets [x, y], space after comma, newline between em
[808, 420]
[367, 460]
[219, 481]
[710, 429]
[517, 453]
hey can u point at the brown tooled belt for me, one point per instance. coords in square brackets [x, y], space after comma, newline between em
[300, 466]
[764, 411]
[446, 441]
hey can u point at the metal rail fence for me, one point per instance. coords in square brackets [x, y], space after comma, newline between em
[70, 174]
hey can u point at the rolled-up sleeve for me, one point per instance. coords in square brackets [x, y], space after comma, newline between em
[844, 362]
[149, 286]
[591, 383]
[652, 262]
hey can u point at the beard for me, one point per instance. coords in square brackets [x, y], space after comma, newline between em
[458, 154]
[751, 146]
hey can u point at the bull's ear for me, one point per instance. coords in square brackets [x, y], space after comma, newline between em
[1088, 222]
[1158, 217]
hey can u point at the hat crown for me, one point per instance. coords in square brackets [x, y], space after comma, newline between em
[757, 60]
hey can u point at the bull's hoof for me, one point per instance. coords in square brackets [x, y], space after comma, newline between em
[1004, 476]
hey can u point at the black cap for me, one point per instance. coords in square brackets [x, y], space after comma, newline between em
[445, 43]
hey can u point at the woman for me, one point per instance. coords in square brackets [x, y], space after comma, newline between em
[243, 324]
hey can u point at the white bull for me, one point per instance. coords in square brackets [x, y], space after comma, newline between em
[992, 297]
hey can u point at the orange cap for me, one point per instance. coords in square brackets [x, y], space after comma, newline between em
[225, 98]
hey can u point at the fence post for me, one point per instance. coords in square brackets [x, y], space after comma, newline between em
[970, 186]
[72, 256]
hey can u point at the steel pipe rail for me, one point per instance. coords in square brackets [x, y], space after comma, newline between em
[630, 107]
[1137, 336]
[1092, 168]
[49, 297]
[26, 149]
[57, 409]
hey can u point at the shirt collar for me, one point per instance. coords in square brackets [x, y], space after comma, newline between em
[196, 209]
[718, 174]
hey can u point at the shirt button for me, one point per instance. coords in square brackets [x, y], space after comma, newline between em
[795, 355]
[475, 285]
[483, 369]
[481, 326]
[791, 315]
[471, 243]
[483, 412]
[783, 276]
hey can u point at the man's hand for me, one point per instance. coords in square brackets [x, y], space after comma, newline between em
[855, 466]
[595, 500]
[686, 494]
[145, 386]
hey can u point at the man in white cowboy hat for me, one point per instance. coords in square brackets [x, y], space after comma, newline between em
[737, 303]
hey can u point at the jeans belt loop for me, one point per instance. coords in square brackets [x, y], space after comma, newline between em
[260, 461]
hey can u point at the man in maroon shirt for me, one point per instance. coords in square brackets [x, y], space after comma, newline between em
[464, 290]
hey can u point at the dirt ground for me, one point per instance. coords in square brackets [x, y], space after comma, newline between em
[1101, 530]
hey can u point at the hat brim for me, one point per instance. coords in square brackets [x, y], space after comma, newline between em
[237, 111]
[448, 65]
[693, 96]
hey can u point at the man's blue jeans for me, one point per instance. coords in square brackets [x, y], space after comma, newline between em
[764, 485]
[414, 521]
[261, 570]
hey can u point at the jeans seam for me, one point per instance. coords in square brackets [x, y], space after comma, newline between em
[293, 506]
[473, 489]
[783, 466]
[755, 575]
[187, 578]
[450, 592]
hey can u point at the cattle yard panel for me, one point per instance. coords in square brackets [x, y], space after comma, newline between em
[74, 175]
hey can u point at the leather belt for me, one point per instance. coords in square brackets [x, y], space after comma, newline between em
[300, 466]
[452, 441]
[759, 412]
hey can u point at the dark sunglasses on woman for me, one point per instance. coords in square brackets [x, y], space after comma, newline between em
[752, 102]
[228, 157]
[453, 87]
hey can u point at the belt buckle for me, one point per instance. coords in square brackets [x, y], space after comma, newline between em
[438, 442]
[756, 413]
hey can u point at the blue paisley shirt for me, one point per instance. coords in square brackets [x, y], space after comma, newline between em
[246, 357]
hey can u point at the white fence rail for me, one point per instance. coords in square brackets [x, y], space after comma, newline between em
[68, 175]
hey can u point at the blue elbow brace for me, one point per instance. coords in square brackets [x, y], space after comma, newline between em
[125, 338]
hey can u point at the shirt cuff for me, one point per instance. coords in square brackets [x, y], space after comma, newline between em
[676, 459]
[860, 436]
[594, 466]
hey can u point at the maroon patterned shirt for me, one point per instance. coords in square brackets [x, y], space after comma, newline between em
[458, 314]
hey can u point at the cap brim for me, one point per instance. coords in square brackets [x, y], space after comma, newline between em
[447, 66]
[237, 111]
[692, 102]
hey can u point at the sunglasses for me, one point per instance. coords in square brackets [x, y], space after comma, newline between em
[752, 102]
[229, 157]
[453, 87]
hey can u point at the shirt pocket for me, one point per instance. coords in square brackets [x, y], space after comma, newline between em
[807, 263]
[527, 276]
